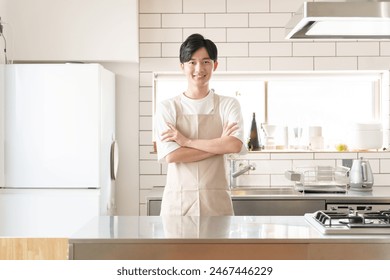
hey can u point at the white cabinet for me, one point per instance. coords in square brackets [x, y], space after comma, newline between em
[46, 213]
[72, 30]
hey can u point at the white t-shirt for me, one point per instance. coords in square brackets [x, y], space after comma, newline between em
[229, 108]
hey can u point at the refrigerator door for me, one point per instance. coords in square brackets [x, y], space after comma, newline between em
[107, 136]
[53, 126]
[2, 125]
[46, 212]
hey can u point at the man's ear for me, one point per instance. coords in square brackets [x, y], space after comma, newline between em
[182, 66]
[215, 65]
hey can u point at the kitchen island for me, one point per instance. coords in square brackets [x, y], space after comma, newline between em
[224, 238]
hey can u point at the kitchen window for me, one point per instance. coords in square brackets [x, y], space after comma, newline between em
[334, 100]
[247, 88]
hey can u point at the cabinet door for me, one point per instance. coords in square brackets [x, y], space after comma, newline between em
[250, 207]
[72, 30]
[273, 207]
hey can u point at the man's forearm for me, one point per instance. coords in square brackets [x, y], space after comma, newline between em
[223, 145]
[185, 155]
[226, 144]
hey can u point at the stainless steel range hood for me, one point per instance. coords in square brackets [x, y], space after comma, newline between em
[341, 20]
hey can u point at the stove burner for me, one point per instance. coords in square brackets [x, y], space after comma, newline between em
[382, 215]
[355, 220]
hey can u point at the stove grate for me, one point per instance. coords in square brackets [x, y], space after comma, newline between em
[380, 219]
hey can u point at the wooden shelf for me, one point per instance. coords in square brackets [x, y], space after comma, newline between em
[33, 248]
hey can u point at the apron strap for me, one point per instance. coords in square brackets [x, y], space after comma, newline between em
[178, 107]
[216, 103]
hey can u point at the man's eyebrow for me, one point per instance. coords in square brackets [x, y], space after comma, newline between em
[205, 58]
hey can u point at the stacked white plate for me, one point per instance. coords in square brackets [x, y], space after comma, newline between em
[367, 136]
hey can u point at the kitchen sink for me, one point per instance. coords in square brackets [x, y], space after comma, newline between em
[253, 191]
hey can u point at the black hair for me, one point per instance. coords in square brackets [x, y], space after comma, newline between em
[193, 43]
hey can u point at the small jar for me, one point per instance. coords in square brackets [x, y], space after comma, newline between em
[316, 141]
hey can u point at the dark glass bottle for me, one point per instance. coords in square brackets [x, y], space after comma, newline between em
[253, 143]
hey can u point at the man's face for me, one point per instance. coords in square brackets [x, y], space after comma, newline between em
[200, 68]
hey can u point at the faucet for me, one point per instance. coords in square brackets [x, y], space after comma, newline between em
[234, 174]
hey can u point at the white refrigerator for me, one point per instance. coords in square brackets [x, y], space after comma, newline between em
[60, 155]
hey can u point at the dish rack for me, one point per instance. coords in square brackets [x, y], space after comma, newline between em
[320, 179]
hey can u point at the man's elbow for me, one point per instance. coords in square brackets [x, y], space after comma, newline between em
[169, 158]
[173, 157]
[237, 149]
[236, 146]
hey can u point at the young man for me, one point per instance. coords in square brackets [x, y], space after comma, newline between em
[194, 131]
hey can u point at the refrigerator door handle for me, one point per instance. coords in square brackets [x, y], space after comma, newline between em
[114, 162]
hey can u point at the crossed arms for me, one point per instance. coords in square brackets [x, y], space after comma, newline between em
[192, 150]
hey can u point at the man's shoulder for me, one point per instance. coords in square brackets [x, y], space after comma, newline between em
[169, 102]
[224, 99]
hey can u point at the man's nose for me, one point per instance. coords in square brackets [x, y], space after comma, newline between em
[198, 66]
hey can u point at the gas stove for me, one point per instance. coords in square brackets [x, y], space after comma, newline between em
[350, 222]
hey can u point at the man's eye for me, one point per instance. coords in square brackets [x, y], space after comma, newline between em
[206, 61]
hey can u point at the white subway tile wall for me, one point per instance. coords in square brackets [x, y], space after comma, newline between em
[226, 20]
[250, 37]
[170, 50]
[285, 6]
[247, 6]
[373, 62]
[247, 34]
[149, 20]
[204, 6]
[385, 48]
[335, 63]
[182, 20]
[270, 49]
[291, 63]
[247, 64]
[150, 50]
[158, 6]
[357, 48]
[314, 49]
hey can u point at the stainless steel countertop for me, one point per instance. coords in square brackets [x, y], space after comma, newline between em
[218, 238]
[228, 229]
[378, 194]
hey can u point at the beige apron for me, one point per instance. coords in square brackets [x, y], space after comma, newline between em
[198, 227]
[198, 188]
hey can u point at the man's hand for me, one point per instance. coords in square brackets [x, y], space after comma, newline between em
[228, 129]
[172, 134]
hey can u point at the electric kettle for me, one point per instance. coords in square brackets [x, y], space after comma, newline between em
[360, 176]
